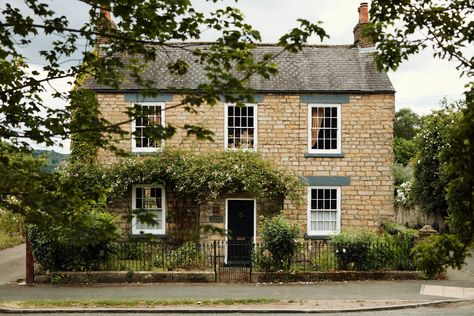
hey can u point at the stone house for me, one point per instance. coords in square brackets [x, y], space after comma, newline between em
[327, 116]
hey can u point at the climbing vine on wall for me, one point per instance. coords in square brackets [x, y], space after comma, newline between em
[205, 177]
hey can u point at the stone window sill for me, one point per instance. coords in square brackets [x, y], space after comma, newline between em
[312, 237]
[322, 155]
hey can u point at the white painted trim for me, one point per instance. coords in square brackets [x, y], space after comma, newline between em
[338, 150]
[136, 231]
[308, 212]
[227, 221]
[136, 149]
[255, 127]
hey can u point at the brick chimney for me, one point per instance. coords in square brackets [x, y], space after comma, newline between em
[105, 13]
[105, 25]
[362, 42]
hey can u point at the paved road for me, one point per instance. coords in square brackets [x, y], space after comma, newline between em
[459, 309]
[12, 264]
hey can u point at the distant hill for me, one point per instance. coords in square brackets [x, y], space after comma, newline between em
[53, 159]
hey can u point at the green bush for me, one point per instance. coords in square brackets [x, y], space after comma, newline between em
[404, 150]
[58, 249]
[186, 257]
[280, 239]
[262, 260]
[435, 253]
[363, 250]
[353, 250]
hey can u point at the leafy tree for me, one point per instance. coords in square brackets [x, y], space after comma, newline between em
[430, 182]
[142, 29]
[404, 150]
[126, 45]
[406, 124]
[401, 29]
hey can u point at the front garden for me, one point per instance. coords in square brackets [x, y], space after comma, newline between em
[278, 252]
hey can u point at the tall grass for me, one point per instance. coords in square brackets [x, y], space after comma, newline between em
[12, 229]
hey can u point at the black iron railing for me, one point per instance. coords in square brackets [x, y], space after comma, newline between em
[219, 255]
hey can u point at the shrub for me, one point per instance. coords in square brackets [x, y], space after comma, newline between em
[363, 250]
[58, 249]
[435, 253]
[353, 250]
[280, 239]
[187, 257]
[404, 195]
[262, 260]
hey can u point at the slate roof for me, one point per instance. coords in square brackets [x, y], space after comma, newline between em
[317, 69]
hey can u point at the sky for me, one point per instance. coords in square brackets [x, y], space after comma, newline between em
[420, 83]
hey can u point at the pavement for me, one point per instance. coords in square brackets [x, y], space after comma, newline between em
[294, 298]
[12, 264]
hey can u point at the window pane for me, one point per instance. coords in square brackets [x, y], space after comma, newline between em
[327, 204]
[327, 194]
[250, 111]
[320, 204]
[230, 110]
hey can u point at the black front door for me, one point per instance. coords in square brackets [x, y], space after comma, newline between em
[240, 226]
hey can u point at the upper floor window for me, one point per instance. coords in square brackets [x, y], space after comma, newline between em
[148, 114]
[240, 127]
[324, 210]
[148, 205]
[324, 128]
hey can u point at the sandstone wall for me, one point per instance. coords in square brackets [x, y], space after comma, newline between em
[367, 125]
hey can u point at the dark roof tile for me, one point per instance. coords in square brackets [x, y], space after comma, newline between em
[315, 69]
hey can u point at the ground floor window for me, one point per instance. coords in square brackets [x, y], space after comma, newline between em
[324, 211]
[148, 201]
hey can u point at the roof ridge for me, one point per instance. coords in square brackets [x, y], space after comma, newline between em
[204, 43]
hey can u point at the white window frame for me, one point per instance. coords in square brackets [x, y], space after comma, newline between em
[135, 230]
[255, 127]
[160, 147]
[338, 215]
[339, 129]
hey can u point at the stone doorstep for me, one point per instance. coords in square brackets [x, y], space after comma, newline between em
[209, 276]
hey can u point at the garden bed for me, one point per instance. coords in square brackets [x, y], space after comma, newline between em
[210, 277]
